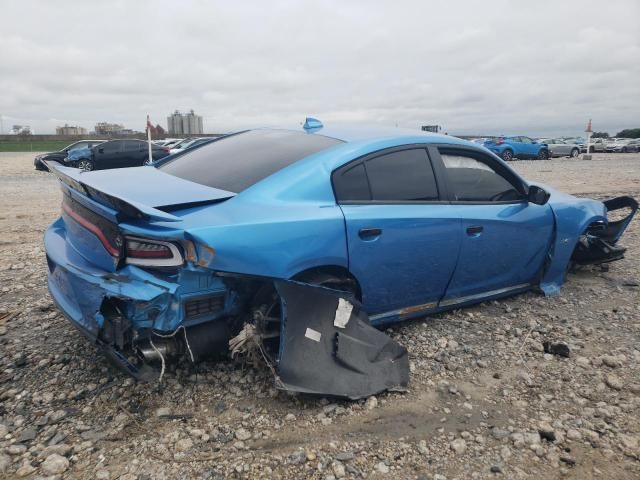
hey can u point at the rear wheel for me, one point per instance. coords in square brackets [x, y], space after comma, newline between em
[85, 164]
[507, 155]
[574, 153]
[543, 154]
[265, 310]
[592, 149]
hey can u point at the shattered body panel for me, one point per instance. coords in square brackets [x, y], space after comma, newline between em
[344, 357]
[572, 217]
[239, 251]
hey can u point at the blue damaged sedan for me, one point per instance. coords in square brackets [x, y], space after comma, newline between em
[295, 243]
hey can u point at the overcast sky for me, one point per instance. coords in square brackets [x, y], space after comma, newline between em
[485, 67]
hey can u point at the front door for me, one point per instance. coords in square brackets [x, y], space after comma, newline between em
[529, 148]
[403, 241]
[505, 239]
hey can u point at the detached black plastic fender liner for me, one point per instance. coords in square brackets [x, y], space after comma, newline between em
[328, 346]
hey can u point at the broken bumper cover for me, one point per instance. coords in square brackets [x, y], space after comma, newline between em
[328, 346]
[80, 288]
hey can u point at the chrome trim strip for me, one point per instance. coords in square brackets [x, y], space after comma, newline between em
[454, 301]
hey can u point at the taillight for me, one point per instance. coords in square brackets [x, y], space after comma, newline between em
[152, 253]
[165, 149]
[499, 141]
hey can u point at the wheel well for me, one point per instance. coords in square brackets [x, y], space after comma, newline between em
[333, 270]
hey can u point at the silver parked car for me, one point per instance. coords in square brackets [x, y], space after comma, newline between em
[561, 148]
[623, 145]
[596, 145]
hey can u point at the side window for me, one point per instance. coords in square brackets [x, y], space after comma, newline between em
[112, 147]
[474, 181]
[351, 184]
[525, 140]
[406, 175]
[132, 146]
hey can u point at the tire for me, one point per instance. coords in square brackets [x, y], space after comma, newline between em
[574, 153]
[543, 154]
[85, 164]
[592, 150]
[507, 155]
[624, 149]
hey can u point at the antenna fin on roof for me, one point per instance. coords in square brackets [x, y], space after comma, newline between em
[311, 123]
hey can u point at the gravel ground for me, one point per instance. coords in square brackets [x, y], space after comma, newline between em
[484, 400]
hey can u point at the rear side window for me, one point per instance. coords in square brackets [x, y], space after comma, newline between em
[110, 147]
[238, 161]
[404, 175]
[398, 176]
[474, 181]
[352, 184]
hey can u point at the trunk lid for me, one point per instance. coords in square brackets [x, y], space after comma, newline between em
[94, 203]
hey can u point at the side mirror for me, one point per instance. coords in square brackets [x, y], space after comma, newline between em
[537, 195]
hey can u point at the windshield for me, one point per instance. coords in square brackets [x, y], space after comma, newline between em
[238, 161]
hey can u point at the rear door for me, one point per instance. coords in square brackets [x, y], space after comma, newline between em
[403, 241]
[107, 155]
[505, 239]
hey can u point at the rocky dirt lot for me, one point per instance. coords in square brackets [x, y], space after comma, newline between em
[484, 400]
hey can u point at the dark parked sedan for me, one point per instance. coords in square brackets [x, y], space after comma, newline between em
[115, 154]
[62, 154]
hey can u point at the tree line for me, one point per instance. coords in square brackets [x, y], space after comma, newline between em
[626, 133]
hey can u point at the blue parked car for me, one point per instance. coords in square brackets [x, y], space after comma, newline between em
[509, 148]
[220, 247]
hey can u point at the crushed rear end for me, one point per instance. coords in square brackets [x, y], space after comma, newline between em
[142, 288]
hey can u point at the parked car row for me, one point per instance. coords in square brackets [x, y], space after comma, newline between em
[105, 154]
[114, 154]
[520, 147]
[623, 145]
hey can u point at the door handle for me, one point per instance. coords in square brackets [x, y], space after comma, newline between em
[474, 230]
[369, 232]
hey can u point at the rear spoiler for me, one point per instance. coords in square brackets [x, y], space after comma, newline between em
[129, 209]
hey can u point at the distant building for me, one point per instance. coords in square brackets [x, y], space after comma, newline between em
[184, 124]
[70, 130]
[104, 128]
[21, 130]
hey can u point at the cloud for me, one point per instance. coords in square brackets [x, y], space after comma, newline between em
[474, 67]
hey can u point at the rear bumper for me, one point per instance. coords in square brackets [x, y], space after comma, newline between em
[146, 301]
[118, 310]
